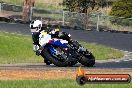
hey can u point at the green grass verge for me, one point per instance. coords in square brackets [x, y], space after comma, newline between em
[48, 6]
[102, 52]
[56, 84]
[16, 48]
[15, 2]
[51, 16]
[38, 4]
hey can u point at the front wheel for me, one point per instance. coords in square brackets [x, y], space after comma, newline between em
[61, 60]
[88, 60]
[46, 60]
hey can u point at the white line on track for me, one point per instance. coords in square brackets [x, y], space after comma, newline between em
[117, 60]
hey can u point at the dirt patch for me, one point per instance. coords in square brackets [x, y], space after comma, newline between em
[9, 13]
[4, 15]
[51, 74]
[34, 74]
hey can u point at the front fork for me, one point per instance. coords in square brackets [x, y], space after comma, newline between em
[35, 48]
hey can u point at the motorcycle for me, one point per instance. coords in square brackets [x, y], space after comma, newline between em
[63, 51]
[83, 56]
[55, 50]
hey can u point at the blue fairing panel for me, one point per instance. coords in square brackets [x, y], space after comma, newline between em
[58, 43]
[52, 50]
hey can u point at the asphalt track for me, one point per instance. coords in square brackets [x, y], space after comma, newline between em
[116, 40]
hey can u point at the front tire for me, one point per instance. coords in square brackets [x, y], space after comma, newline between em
[54, 60]
[47, 62]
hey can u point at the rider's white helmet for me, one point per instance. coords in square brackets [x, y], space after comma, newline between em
[37, 24]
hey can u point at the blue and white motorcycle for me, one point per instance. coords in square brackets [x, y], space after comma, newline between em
[63, 51]
[55, 50]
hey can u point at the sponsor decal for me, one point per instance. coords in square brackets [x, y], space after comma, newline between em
[83, 78]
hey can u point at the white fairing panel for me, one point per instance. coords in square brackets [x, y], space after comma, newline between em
[63, 41]
[44, 39]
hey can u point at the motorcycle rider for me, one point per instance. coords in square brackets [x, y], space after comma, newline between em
[36, 27]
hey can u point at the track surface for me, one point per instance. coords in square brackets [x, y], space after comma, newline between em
[42, 66]
[115, 40]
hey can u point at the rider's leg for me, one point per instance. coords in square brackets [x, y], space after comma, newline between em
[38, 52]
[35, 38]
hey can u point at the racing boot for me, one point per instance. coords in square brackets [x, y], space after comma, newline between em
[38, 52]
[35, 48]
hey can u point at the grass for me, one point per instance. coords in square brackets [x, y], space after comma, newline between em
[52, 16]
[16, 48]
[44, 15]
[43, 4]
[105, 21]
[48, 6]
[16, 2]
[102, 52]
[39, 4]
[56, 84]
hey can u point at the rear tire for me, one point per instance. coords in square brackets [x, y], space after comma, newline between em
[88, 60]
